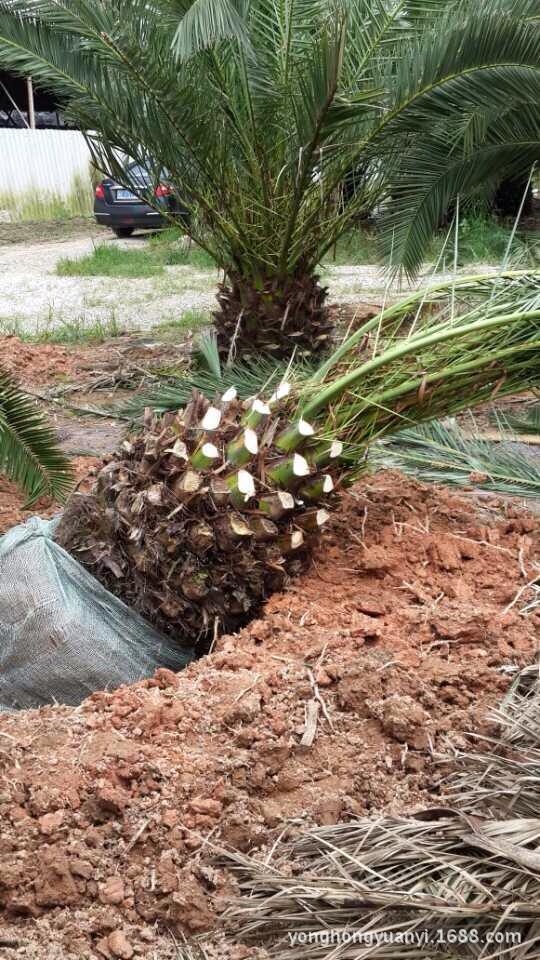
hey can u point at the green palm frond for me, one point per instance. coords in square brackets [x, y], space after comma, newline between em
[416, 368]
[210, 377]
[526, 422]
[432, 354]
[29, 454]
[440, 453]
[206, 22]
[506, 140]
[206, 355]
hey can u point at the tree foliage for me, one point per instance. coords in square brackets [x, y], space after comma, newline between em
[260, 109]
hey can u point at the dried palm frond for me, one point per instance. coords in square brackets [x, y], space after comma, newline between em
[503, 774]
[193, 950]
[437, 452]
[439, 884]
[453, 882]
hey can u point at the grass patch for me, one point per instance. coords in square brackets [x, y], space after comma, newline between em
[171, 248]
[355, 248]
[484, 240]
[40, 205]
[110, 260]
[481, 239]
[189, 320]
[80, 331]
[57, 330]
[167, 248]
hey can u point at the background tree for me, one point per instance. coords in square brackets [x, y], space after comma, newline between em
[259, 110]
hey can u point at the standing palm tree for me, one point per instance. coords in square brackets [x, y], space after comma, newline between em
[260, 110]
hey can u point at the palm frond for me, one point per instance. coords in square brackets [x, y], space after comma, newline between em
[248, 377]
[270, 106]
[206, 355]
[501, 774]
[526, 422]
[29, 454]
[206, 23]
[443, 453]
[435, 366]
[471, 160]
[433, 885]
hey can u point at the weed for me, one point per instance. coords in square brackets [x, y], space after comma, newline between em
[481, 239]
[164, 249]
[173, 249]
[55, 329]
[37, 205]
[110, 260]
[189, 320]
[355, 248]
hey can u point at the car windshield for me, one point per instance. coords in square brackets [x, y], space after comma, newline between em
[136, 171]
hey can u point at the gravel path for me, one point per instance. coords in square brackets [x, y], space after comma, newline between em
[33, 298]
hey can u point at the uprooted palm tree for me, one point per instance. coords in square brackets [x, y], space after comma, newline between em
[29, 454]
[260, 110]
[205, 512]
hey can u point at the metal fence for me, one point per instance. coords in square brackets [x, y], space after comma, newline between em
[44, 174]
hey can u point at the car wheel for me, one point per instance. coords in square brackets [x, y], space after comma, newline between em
[122, 232]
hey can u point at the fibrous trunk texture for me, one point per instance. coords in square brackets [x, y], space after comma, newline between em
[197, 519]
[274, 318]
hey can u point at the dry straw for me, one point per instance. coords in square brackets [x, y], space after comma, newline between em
[467, 877]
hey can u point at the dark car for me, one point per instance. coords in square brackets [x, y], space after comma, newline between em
[123, 211]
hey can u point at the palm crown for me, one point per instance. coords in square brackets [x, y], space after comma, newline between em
[261, 111]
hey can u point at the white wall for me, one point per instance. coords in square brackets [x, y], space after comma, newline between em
[45, 159]
[43, 163]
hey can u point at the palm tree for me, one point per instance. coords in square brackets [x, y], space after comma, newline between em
[260, 111]
[29, 455]
[205, 512]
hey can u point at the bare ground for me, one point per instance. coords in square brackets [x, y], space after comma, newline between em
[401, 627]
[35, 299]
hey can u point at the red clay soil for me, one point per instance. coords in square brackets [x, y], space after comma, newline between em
[400, 628]
[33, 363]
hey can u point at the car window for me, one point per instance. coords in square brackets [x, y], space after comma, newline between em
[138, 172]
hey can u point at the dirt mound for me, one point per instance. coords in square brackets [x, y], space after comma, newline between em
[398, 634]
[33, 363]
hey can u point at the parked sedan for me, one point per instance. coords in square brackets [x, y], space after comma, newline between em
[123, 211]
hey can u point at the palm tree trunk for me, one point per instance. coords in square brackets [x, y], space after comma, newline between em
[206, 512]
[273, 316]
